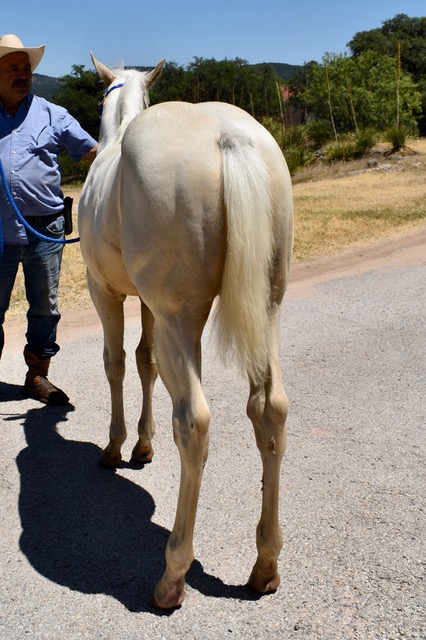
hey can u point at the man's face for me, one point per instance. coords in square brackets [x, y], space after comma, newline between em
[15, 79]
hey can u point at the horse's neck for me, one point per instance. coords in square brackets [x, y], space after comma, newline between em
[116, 120]
[112, 135]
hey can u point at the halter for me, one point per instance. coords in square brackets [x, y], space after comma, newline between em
[105, 95]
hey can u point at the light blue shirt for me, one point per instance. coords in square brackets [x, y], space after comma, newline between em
[30, 144]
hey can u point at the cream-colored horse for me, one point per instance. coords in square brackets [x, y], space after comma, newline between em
[185, 203]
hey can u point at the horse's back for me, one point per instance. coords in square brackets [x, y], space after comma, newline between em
[180, 134]
[178, 145]
[173, 232]
[173, 169]
[171, 209]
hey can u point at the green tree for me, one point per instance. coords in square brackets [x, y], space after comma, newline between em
[79, 94]
[361, 92]
[249, 87]
[410, 34]
[173, 84]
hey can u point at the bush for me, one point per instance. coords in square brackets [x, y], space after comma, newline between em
[318, 132]
[285, 136]
[365, 140]
[294, 137]
[352, 147]
[341, 152]
[73, 172]
[397, 137]
[298, 157]
[275, 128]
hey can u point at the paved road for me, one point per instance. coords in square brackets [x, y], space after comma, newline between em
[81, 547]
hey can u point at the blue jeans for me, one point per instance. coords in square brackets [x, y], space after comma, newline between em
[41, 264]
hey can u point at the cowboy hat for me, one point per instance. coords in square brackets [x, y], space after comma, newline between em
[12, 44]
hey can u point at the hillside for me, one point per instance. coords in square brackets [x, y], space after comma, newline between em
[45, 86]
[285, 71]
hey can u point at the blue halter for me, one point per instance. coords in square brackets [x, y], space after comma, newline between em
[105, 95]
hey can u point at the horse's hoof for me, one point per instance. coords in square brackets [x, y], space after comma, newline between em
[168, 598]
[263, 584]
[142, 455]
[106, 460]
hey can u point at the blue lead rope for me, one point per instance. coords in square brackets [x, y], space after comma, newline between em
[22, 219]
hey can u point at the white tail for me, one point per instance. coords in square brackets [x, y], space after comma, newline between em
[242, 315]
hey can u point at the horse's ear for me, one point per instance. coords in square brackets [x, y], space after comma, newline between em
[153, 75]
[105, 73]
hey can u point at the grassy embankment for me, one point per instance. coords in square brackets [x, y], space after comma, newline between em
[336, 207]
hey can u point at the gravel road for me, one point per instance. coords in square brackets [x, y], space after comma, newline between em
[81, 547]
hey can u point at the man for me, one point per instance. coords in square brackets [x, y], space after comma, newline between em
[32, 133]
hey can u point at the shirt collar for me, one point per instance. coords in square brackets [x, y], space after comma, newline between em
[23, 107]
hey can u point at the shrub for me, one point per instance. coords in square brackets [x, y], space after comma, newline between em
[294, 136]
[73, 172]
[298, 157]
[275, 128]
[365, 140]
[352, 147]
[318, 132]
[341, 152]
[397, 137]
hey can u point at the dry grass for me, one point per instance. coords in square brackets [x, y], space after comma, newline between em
[336, 207]
[73, 292]
[351, 203]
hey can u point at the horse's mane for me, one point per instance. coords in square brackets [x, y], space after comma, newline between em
[133, 97]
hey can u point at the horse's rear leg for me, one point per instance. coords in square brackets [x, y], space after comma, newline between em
[110, 311]
[267, 409]
[178, 354]
[147, 369]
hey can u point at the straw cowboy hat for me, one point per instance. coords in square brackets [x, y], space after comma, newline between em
[12, 44]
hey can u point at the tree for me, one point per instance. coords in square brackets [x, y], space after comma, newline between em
[252, 88]
[410, 33]
[361, 92]
[79, 94]
[173, 84]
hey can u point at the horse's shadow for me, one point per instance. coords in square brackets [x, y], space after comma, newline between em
[88, 528]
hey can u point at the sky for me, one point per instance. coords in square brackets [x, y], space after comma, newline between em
[139, 33]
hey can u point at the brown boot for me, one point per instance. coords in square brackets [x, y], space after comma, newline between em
[37, 385]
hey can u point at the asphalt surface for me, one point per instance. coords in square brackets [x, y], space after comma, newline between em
[81, 547]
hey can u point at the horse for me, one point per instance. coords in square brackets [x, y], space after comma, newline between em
[189, 207]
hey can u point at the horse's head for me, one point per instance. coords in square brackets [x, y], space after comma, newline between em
[119, 107]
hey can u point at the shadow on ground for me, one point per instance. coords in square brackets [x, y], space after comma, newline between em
[88, 528]
[10, 392]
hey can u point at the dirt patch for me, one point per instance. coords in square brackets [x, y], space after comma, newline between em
[403, 251]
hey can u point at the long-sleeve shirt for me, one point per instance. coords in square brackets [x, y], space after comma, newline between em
[30, 144]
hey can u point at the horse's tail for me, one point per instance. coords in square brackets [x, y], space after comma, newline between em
[242, 314]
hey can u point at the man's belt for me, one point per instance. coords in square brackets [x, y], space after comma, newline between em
[42, 219]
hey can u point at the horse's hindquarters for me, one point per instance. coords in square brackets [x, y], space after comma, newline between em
[173, 231]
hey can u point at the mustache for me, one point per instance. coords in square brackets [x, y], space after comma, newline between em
[21, 83]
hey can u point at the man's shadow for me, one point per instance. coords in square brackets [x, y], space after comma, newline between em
[88, 528]
[10, 392]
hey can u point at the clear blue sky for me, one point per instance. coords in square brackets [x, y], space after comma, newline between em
[134, 32]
